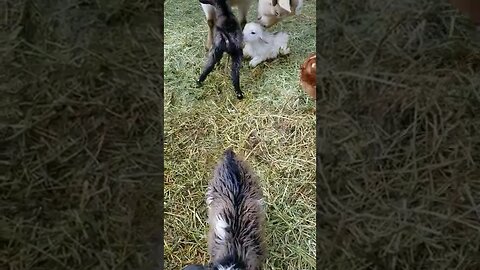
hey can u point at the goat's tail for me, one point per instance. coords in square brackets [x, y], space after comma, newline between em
[233, 170]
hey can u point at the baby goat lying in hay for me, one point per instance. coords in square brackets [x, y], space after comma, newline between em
[261, 45]
[236, 216]
[228, 38]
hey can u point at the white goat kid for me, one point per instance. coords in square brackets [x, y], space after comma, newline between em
[261, 45]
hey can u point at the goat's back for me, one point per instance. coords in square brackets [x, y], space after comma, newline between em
[236, 215]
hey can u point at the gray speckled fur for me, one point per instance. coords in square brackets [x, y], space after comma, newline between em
[234, 194]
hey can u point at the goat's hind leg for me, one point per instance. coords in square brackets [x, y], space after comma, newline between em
[227, 63]
[210, 16]
[236, 64]
[243, 7]
[214, 57]
[211, 33]
[284, 50]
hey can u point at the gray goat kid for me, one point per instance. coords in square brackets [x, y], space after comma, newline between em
[236, 216]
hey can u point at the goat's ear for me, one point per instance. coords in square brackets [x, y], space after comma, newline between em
[285, 4]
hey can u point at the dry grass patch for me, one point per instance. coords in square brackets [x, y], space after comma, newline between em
[399, 144]
[80, 134]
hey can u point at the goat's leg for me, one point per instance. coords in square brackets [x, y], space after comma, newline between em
[227, 63]
[209, 44]
[236, 64]
[256, 60]
[210, 16]
[214, 57]
[284, 50]
[243, 11]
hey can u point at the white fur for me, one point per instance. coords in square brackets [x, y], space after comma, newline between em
[220, 227]
[209, 198]
[262, 204]
[221, 267]
[261, 45]
[209, 201]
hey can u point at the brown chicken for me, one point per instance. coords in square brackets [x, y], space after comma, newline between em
[308, 76]
[470, 8]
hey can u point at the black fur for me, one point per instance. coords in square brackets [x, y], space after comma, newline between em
[233, 171]
[228, 38]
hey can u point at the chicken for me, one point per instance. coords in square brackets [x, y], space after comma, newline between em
[308, 77]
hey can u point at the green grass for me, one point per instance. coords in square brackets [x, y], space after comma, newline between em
[80, 134]
[399, 144]
[273, 127]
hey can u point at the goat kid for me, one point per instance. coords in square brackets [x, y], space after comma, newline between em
[228, 38]
[261, 45]
[243, 7]
[236, 215]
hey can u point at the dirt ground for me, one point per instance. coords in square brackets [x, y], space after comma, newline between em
[80, 134]
[398, 146]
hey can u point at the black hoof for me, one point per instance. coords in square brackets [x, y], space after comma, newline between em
[239, 95]
[198, 84]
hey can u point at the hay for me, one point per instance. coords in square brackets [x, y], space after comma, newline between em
[399, 145]
[80, 138]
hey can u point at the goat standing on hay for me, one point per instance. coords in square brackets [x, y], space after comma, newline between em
[228, 38]
[236, 216]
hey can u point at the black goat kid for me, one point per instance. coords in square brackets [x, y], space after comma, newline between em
[228, 38]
